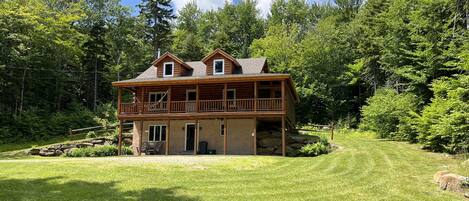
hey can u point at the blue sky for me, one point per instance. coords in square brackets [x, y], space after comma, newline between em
[262, 5]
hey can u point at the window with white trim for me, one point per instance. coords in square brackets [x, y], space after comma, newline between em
[218, 66]
[157, 133]
[168, 69]
[222, 129]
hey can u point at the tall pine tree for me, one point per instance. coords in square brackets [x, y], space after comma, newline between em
[158, 14]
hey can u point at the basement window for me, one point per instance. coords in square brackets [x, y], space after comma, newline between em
[168, 69]
[157, 133]
[222, 129]
[218, 67]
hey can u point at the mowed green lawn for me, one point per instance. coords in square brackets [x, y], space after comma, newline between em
[362, 169]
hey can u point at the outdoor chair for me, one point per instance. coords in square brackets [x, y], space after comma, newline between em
[152, 148]
[148, 148]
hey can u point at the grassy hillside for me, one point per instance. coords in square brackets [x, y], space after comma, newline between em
[363, 168]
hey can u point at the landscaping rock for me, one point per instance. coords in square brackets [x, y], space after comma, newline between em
[277, 151]
[34, 151]
[46, 152]
[438, 175]
[59, 149]
[98, 141]
[68, 146]
[58, 152]
[450, 181]
[86, 144]
[297, 139]
[265, 151]
[466, 195]
[269, 142]
[292, 151]
[295, 146]
[127, 141]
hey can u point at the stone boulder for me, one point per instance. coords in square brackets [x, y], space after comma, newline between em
[265, 151]
[269, 142]
[97, 141]
[68, 146]
[34, 151]
[127, 141]
[452, 182]
[47, 152]
[85, 144]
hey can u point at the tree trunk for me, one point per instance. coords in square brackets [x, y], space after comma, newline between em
[22, 91]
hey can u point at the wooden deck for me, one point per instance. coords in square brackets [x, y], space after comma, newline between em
[201, 106]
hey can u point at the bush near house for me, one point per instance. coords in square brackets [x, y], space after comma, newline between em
[98, 151]
[315, 149]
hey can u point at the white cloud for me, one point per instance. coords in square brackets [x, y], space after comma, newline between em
[262, 5]
[204, 5]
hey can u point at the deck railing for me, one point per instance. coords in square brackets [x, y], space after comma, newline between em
[232, 105]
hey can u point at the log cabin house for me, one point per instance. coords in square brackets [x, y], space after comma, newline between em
[220, 101]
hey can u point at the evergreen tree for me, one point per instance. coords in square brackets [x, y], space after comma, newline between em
[158, 14]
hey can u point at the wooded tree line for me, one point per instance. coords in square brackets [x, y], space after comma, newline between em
[59, 58]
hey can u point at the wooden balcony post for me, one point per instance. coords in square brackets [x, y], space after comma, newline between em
[196, 137]
[197, 97]
[283, 118]
[225, 136]
[119, 150]
[140, 140]
[225, 92]
[142, 101]
[119, 100]
[254, 136]
[167, 138]
[255, 96]
[283, 135]
[283, 96]
[169, 99]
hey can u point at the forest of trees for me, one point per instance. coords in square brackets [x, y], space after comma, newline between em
[400, 67]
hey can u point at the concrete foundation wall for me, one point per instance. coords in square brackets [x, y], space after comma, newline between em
[239, 139]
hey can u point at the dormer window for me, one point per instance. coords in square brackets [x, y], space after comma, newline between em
[168, 69]
[218, 66]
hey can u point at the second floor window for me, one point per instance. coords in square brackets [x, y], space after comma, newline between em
[218, 67]
[168, 69]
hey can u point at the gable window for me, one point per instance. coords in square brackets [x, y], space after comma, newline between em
[218, 67]
[157, 133]
[168, 69]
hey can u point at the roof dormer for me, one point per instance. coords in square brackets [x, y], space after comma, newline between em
[168, 65]
[219, 62]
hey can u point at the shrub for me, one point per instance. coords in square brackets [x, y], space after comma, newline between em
[106, 115]
[315, 149]
[389, 114]
[443, 125]
[106, 150]
[91, 134]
